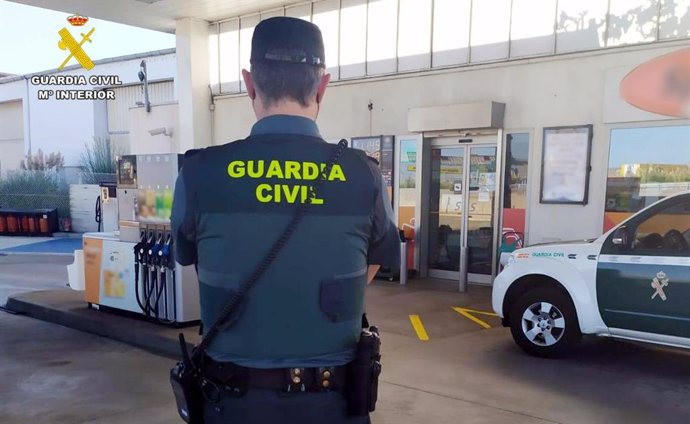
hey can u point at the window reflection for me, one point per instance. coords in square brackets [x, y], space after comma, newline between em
[407, 199]
[645, 165]
[515, 192]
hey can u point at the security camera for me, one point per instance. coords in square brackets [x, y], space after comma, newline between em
[167, 131]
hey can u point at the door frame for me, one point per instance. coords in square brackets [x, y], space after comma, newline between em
[492, 139]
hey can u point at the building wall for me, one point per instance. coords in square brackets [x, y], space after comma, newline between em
[11, 136]
[141, 122]
[119, 125]
[66, 125]
[564, 90]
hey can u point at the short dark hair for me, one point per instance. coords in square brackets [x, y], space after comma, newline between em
[278, 81]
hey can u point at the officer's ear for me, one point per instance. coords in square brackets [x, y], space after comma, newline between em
[249, 83]
[321, 90]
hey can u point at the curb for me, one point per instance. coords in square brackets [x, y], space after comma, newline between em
[140, 334]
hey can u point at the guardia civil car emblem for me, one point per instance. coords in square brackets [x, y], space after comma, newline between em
[658, 284]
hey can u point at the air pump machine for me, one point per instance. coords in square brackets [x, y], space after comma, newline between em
[133, 269]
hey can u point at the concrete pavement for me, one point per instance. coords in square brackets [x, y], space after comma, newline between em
[463, 374]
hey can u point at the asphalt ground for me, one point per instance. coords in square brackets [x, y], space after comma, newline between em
[463, 373]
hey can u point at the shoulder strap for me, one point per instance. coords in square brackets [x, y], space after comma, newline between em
[268, 260]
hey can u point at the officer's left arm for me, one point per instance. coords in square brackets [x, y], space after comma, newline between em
[183, 222]
[384, 243]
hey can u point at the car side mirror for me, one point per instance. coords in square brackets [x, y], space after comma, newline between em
[620, 237]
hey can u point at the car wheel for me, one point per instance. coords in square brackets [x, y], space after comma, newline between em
[543, 322]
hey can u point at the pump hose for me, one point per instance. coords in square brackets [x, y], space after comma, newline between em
[136, 283]
[99, 213]
[163, 287]
[151, 313]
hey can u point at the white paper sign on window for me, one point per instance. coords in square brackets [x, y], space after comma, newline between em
[566, 163]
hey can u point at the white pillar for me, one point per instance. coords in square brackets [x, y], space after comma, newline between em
[191, 85]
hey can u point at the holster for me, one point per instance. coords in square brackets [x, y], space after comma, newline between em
[363, 374]
[185, 378]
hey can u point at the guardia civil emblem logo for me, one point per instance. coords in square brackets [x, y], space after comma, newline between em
[658, 284]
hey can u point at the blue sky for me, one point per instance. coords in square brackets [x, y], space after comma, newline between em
[29, 37]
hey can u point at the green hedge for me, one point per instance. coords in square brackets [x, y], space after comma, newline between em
[35, 190]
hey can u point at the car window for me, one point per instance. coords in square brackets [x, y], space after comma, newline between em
[665, 233]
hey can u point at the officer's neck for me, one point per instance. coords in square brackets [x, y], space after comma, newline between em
[286, 107]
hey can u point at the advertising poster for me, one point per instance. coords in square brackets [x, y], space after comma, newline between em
[565, 165]
[381, 149]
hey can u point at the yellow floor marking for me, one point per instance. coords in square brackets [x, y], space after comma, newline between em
[467, 313]
[419, 328]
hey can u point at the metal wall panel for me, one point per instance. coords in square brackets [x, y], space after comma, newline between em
[126, 98]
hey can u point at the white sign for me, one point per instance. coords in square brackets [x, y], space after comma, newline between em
[566, 166]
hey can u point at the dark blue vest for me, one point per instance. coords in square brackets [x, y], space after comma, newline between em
[306, 310]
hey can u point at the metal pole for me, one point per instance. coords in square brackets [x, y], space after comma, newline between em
[462, 284]
[403, 263]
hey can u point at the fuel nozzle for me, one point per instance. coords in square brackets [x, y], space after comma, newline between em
[145, 249]
[155, 249]
[164, 252]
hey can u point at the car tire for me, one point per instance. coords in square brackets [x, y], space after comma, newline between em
[544, 323]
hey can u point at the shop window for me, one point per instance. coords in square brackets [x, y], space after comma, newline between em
[674, 19]
[229, 58]
[645, 165]
[451, 32]
[381, 42]
[272, 14]
[580, 25]
[353, 38]
[531, 28]
[213, 57]
[301, 11]
[407, 193]
[247, 25]
[490, 30]
[327, 17]
[414, 35]
[515, 192]
[632, 21]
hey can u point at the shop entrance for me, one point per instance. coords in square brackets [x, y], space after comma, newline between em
[462, 219]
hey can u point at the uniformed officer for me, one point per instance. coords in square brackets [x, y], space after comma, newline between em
[231, 203]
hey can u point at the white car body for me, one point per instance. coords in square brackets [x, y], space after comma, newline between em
[574, 266]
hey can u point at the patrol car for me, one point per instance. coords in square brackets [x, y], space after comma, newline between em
[631, 283]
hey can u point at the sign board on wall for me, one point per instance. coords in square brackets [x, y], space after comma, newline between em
[566, 165]
[661, 85]
[381, 149]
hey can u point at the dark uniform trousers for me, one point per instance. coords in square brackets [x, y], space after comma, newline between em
[265, 406]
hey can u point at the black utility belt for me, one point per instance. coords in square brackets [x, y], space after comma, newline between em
[234, 378]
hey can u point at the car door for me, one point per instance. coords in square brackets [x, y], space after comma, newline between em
[643, 273]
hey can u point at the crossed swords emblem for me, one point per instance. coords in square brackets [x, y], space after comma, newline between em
[658, 283]
[67, 42]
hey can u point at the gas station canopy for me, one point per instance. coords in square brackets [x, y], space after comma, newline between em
[159, 15]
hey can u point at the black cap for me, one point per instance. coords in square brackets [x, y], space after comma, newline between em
[290, 40]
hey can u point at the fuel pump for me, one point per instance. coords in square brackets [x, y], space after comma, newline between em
[162, 290]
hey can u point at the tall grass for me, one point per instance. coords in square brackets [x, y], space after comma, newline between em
[98, 160]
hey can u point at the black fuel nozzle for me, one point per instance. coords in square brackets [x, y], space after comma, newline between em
[138, 248]
[144, 249]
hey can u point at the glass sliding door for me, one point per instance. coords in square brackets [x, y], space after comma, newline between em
[480, 214]
[446, 209]
[461, 215]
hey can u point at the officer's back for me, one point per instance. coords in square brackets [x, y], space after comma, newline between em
[233, 201]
